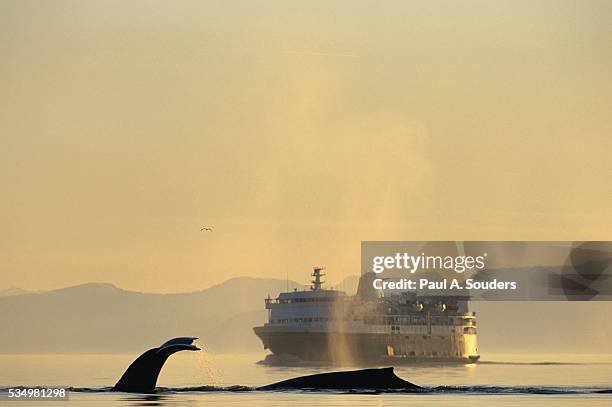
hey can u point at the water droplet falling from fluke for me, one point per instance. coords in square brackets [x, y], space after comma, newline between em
[208, 371]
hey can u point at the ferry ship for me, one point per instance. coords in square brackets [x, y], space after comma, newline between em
[371, 327]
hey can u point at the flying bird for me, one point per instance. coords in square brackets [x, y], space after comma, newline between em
[206, 229]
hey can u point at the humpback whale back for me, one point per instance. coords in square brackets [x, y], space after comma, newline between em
[141, 376]
[370, 379]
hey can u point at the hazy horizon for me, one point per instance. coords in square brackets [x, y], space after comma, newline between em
[97, 318]
[34, 290]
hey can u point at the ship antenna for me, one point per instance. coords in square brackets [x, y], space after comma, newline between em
[317, 273]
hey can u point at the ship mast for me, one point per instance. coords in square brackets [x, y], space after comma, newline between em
[316, 278]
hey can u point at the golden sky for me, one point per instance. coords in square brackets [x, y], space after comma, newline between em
[295, 129]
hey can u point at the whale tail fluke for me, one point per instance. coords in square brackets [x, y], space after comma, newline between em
[183, 340]
[141, 376]
[177, 344]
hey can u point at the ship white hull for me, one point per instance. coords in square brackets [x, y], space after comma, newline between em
[368, 348]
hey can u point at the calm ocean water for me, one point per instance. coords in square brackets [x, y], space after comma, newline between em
[505, 380]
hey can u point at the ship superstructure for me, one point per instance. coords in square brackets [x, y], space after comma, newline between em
[370, 327]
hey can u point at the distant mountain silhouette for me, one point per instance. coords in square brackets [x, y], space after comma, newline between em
[13, 291]
[101, 317]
